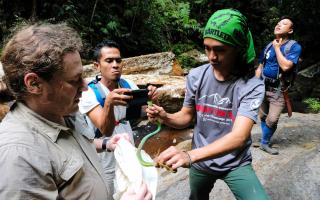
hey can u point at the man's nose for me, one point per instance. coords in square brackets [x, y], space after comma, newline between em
[115, 63]
[212, 55]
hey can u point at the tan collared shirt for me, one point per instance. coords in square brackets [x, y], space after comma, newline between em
[40, 159]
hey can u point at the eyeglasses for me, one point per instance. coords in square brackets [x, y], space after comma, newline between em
[111, 60]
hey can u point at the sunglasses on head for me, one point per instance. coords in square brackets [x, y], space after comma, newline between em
[110, 60]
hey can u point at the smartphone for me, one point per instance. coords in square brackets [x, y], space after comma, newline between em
[140, 97]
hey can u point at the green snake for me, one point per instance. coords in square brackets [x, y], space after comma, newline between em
[144, 139]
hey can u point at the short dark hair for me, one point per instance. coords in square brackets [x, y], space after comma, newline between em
[289, 18]
[104, 43]
[37, 48]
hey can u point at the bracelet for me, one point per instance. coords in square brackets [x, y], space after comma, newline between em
[190, 161]
[104, 144]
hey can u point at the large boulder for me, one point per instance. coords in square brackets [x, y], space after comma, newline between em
[171, 89]
[159, 69]
[307, 82]
[155, 64]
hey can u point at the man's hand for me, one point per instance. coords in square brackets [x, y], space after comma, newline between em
[277, 43]
[258, 71]
[142, 194]
[112, 143]
[117, 97]
[174, 158]
[155, 112]
[153, 95]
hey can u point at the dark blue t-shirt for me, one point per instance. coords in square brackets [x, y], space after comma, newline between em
[271, 66]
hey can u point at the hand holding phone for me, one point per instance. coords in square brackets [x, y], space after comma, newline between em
[139, 97]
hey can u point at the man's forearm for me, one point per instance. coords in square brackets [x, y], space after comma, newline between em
[108, 122]
[259, 71]
[179, 120]
[236, 139]
[284, 64]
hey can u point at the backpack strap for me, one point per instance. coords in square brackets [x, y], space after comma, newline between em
[100, 95]
[289, 77]
[124, 84]
[288, 46]
[265, 51]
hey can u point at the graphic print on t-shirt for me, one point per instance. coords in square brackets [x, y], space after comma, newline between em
[217, 109]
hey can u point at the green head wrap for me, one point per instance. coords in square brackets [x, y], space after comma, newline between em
[230, 27]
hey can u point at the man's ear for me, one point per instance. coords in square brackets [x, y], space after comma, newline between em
[290, 32]
[33, 83]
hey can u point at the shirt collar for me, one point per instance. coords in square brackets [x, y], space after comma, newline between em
[39, 123]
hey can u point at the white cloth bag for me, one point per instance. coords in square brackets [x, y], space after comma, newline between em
[130, 173]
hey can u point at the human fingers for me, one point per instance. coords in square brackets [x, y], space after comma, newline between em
[153, 94]
[166, 155]
[180, 159]
[112, 142]
[148, 196]
[119, 97]
[152, 111]
[152, 119]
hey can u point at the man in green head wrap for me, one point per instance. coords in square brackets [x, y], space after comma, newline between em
[224, 97]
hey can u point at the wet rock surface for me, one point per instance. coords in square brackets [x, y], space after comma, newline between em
[293, 174]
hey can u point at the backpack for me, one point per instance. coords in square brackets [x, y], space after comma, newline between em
[101, 96]
[287, 78]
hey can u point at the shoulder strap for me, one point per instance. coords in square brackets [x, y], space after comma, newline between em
[124, 84]
[288, 46]
[266, 50]
[100, 95]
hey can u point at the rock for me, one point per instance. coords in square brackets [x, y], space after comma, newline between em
[200, 57]
[307, 83]
[155, 64]
[171, 92]
[171, 88]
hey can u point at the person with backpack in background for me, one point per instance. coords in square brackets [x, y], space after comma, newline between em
[277, 67]
[104, 104]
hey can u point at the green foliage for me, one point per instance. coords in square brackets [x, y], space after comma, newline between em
[180, 48]
[143, 27]
[187, 62]
[313, 104]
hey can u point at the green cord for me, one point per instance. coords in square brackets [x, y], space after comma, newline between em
[144, 139]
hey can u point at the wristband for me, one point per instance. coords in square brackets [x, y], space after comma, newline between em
[104, 143]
